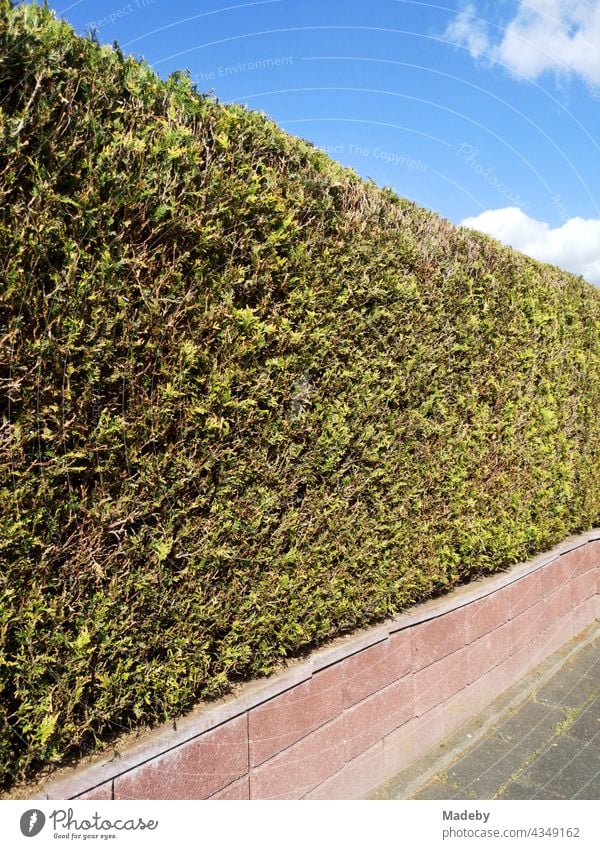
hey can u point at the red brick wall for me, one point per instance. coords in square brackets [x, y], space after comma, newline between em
[355, 714]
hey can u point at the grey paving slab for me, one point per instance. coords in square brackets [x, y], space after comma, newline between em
[517, 790]
[545, 793]
[530, 725]
[587, 725]
[436, 790]
[565, 766]
[478, 773]
[569, 691]
[591, 790]
[587, 660]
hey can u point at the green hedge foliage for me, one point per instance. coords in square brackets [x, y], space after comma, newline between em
[249, 401]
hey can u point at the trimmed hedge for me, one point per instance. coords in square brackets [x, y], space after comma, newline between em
[249, 401]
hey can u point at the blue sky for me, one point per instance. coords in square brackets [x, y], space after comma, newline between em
[488, 113]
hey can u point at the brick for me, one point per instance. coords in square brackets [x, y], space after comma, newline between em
[437, 638]
[467, 703]
[296, 771]
[528, 655]
[377, 715]
[376, 667]
[196, 770]
[590, 558]
[489, 651]
[287, 718]
[356, 779]
[238, 790]
[486, 614]
[413, 740]
[557, 574]
[102, 792]
[527, 626]
[584, 586]
[437, 682]
[584, 614]
[525, 593]
[559, 633]
[584, 558]
[557, 606]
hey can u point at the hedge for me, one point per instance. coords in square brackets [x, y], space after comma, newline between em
[250, 401]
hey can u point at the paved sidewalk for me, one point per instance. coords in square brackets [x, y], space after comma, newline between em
[543, 742]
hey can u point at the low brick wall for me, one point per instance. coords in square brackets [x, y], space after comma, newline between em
[353, 715]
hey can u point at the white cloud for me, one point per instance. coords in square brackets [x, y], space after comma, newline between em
[574, 246]
[562, 36]
[468, 30]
